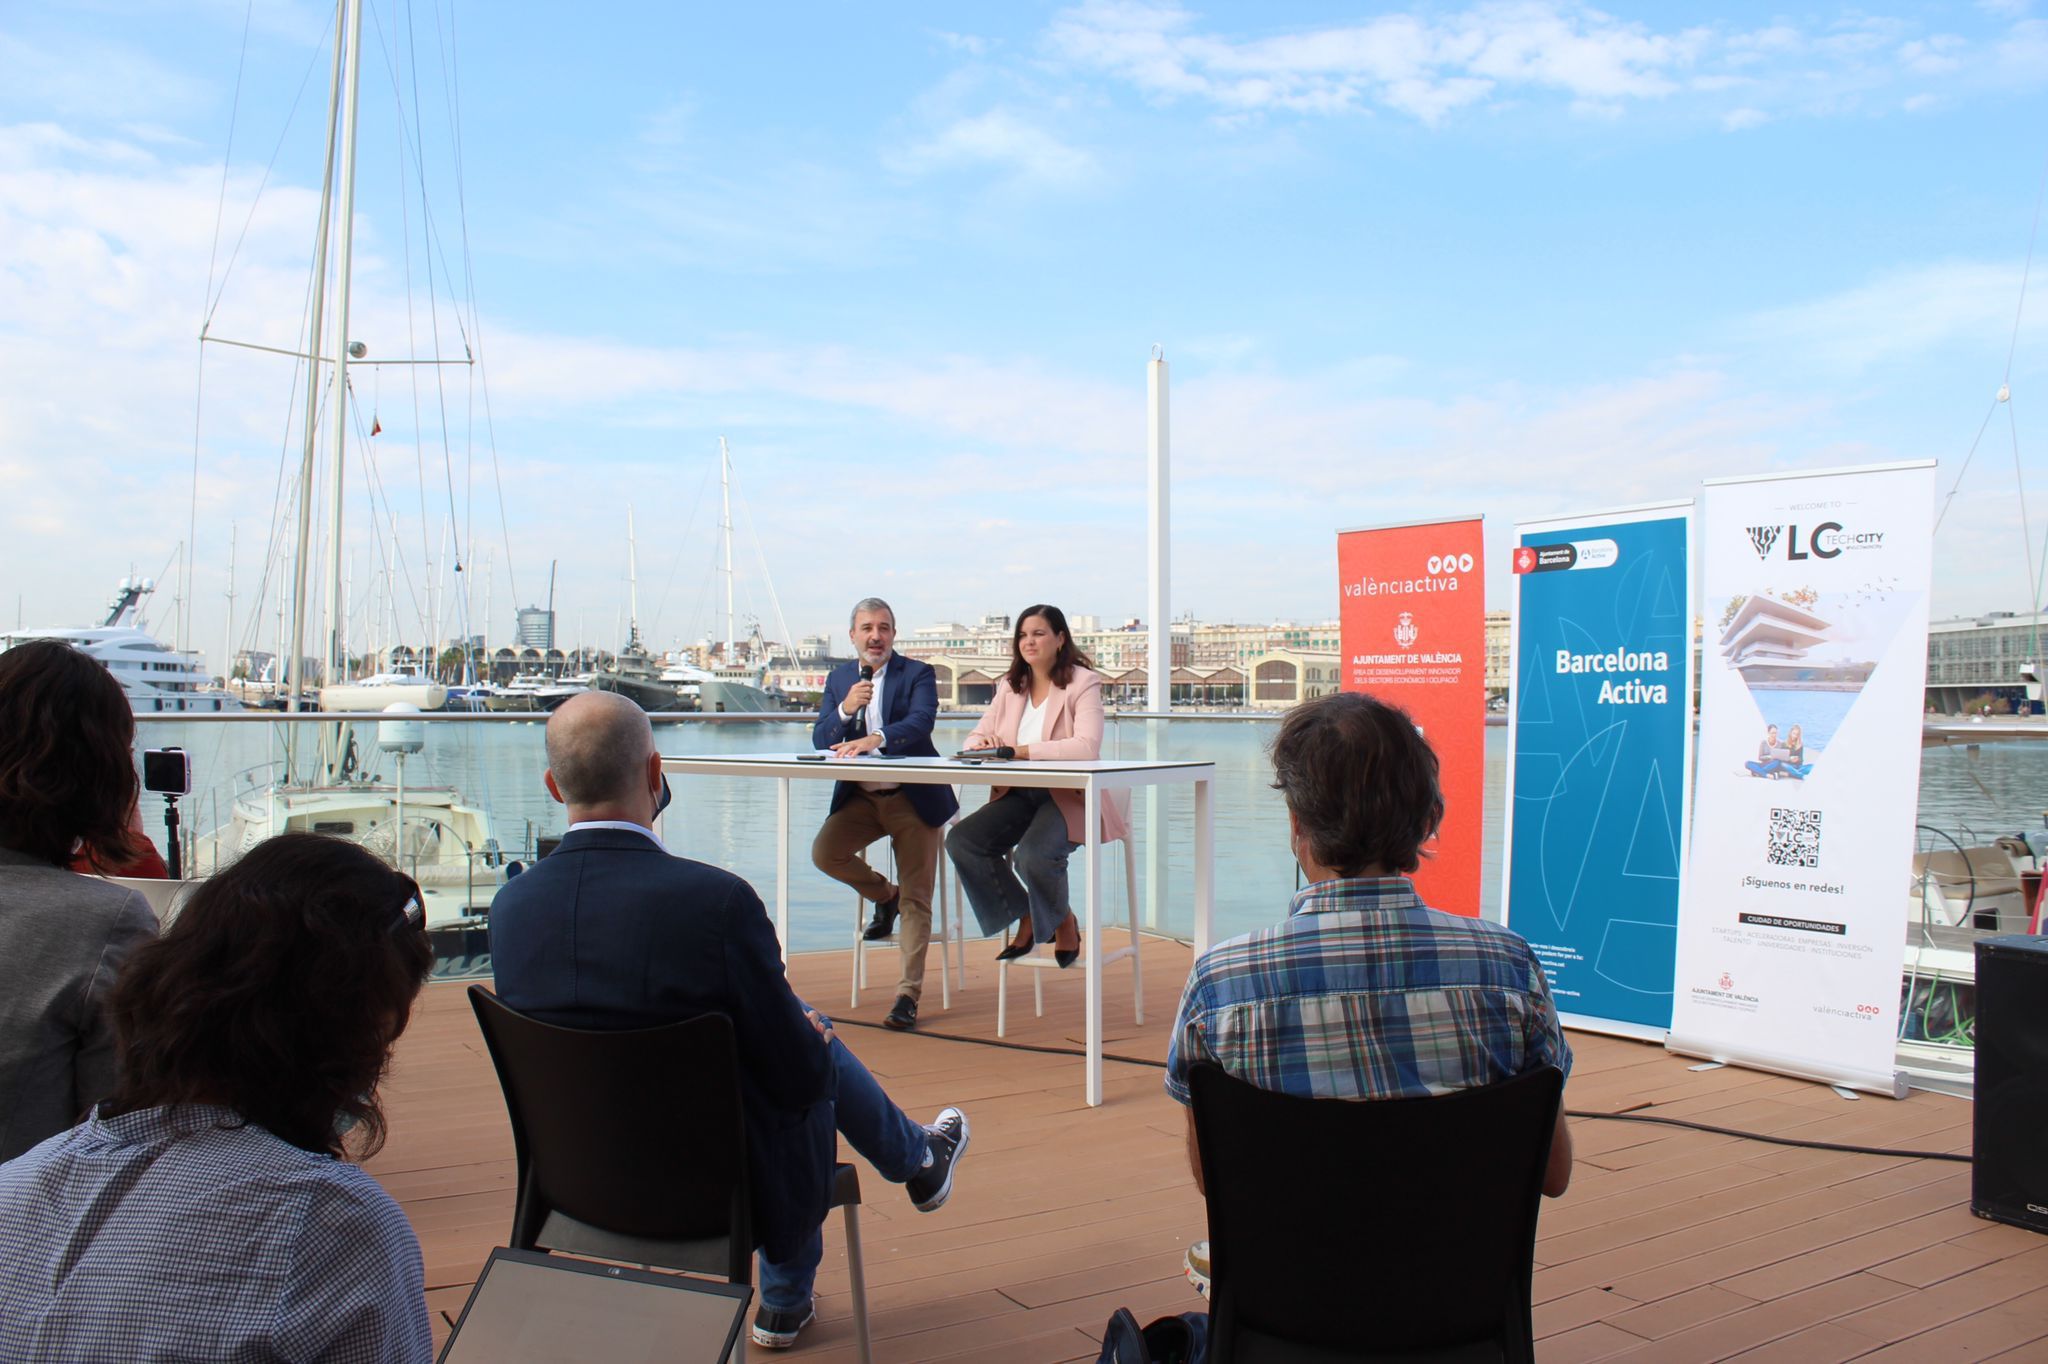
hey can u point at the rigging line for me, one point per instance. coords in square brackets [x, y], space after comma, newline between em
[291, 116]
[674, 564]
[451, 102]
[2026, 530]
[227, 160]
[212, 262]
[760, 553]
[274, 544]
[1957, 486]
[385, 49]
[434, 311]
[2019, 308]
[375, 476]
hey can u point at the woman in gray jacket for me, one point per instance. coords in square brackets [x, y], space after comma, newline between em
[67, 785]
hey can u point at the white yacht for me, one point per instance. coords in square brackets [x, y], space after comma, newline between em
[158, 680]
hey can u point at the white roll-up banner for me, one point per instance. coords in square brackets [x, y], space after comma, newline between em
[1814, 659]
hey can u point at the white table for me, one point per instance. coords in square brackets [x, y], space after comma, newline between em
[1093, 779]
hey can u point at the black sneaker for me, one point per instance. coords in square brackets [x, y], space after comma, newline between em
[902, 1016]
[884, 922]
[775, 1330]
[946, 1143]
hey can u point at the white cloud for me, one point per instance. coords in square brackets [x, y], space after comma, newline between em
[1003, 140]
[1428, 64]
[1899, 315]
[99, 299]
[1736, 120]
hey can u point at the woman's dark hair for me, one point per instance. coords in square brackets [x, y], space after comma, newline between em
[1360, 782]
[277, 992]
[1063, 663]
[66, 771]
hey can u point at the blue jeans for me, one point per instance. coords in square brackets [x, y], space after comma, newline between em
[1025, 820]
[885, 1138]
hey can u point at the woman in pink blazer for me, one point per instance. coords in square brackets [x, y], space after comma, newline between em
[1012, 853]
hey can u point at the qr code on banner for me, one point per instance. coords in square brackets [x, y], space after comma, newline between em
[1794, 838]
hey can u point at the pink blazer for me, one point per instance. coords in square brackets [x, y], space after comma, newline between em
[1073, 733]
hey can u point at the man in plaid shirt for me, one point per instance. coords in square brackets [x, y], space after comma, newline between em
[1364, 992]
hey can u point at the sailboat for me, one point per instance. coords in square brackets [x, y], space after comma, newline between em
[428, 832]
[736, 684]
[634, 673]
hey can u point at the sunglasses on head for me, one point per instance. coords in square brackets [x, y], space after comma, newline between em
[411, 913]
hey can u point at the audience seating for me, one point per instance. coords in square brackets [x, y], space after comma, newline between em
[631, 1146]
[1388, 1229]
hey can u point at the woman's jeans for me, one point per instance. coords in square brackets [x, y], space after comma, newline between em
[981, 846]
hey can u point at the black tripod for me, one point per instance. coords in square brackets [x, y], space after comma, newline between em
[176, 860]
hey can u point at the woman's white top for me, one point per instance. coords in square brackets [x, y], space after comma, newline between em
[1031, 729]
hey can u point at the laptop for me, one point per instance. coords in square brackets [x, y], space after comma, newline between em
[532, 1308]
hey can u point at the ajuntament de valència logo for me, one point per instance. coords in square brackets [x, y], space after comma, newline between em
[1406, 631]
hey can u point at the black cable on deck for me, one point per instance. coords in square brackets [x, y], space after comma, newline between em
[1799, 1142]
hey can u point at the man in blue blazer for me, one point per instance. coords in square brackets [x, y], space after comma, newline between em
[884, 704]
[612, 931]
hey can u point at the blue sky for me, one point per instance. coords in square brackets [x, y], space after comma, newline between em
[1520, 259]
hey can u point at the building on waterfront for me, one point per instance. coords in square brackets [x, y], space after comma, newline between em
[1283, 678]
[1212, 662]
[536, 628]
[1990, 661]
[1499, 675]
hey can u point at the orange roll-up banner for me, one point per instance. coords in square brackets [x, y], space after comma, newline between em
[1414, 635]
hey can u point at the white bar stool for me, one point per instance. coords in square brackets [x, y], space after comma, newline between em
[1038, 964]
[947, 929]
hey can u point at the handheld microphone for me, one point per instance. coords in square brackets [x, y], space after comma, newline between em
[857, 727]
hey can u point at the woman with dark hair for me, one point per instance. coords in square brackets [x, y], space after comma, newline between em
[1012, 853]
[205, 1209]
[67, 789]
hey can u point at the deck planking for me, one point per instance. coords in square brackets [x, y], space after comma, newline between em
[1672, 1244]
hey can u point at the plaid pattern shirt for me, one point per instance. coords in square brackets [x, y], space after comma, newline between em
[142, 1239]
[1367, 993]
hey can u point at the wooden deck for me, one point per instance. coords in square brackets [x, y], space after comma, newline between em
[1672, 1245]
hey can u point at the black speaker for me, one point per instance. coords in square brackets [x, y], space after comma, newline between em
[2009, 1132]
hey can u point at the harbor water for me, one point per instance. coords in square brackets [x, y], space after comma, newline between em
[1969, 794]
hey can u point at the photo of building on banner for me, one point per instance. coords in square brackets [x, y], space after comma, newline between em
[1814, 593]
[1413, 606]
[1598, 759]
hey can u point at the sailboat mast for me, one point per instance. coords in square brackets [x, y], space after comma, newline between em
[725, 529]
[632, 583]
[294, 674]
[227, 642]
[344, 209]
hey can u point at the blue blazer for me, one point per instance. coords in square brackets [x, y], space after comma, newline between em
[910, 707]
[608, 931]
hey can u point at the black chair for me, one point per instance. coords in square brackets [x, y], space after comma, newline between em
[1394, 1229]
[632, 1145]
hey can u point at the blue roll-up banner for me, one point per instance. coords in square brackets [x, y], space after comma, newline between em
[1599, 758]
